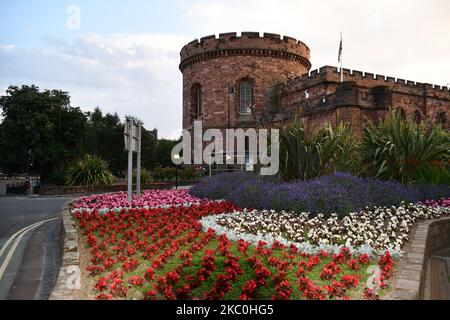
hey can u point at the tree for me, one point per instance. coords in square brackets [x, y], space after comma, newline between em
[40, 132]
[163, 153]
[105, 139]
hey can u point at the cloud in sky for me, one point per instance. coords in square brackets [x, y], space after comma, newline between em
[137, 72]
[129, 73]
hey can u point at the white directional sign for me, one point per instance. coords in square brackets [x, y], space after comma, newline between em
[134, 132]
[132, 135]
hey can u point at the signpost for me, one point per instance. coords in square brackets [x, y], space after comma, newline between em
[132, 135]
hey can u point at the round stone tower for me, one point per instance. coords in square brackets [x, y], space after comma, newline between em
[229, 81]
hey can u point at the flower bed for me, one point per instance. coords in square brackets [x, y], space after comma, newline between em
[163, 253]
[148, 199]
[370, 231]
[337, 193]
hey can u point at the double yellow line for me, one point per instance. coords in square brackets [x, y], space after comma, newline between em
[18, 237]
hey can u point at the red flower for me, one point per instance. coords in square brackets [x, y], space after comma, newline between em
[353, 265]
[118, 289]
[369, 294]
[149, 274]
[136, 281]
[349, 281]
[249, 289]
[104, 296]
[102, 283]
[363, 259]
[284, 291]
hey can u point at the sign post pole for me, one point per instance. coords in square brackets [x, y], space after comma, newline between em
[130, 161]
[138, 160]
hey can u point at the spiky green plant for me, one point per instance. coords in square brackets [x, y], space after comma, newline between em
[310, 154]
[402, 150]
[89, 171]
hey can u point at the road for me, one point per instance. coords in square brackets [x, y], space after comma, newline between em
[30, 247]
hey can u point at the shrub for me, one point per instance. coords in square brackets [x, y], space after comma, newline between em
[145, 176]
[340, 192]
[220, 186]
[188, 173]
[401, 150]
[90, 171]
[311, 154]
[163, 174]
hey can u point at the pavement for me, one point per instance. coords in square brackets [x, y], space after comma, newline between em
[30, 246]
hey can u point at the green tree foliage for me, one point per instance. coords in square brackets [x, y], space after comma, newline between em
[89, 171]
[105, 139]
[39, 130]
[162, 153]
[145, 176]
[403, 150]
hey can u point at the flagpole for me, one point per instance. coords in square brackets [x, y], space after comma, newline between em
[342, 64]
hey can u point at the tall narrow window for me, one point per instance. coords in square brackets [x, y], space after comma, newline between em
[196, 100]
[245, 97]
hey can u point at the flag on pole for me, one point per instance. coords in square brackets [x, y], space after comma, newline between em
[340, 59]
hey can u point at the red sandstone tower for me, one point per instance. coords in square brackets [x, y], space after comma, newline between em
[228, 81]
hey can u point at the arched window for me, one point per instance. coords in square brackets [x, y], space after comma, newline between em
[245, 97]
[417, 116]
[441, 118]
[196, 100]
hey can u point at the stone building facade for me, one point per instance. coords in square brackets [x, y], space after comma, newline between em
[250, 80]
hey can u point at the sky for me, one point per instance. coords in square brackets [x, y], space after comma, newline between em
[123, 56]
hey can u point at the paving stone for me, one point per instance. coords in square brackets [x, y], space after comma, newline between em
[70, 258]
[406, 284]
[413, 267]
[411, 275]
[415, 255]
[415, 261]
[404, 295]
[70, 246]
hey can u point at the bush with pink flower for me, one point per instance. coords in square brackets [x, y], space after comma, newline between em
[148, 198]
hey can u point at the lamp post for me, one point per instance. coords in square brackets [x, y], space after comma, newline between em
[176, 157]
[231, 91]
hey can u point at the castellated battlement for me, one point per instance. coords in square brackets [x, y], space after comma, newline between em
[248, 43]
[332, 74]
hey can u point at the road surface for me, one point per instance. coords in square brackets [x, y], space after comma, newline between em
[30, 247]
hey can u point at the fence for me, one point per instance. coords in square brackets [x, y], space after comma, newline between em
[20, 188]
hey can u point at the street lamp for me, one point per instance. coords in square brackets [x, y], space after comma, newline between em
[231, 91]
[176, 157]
